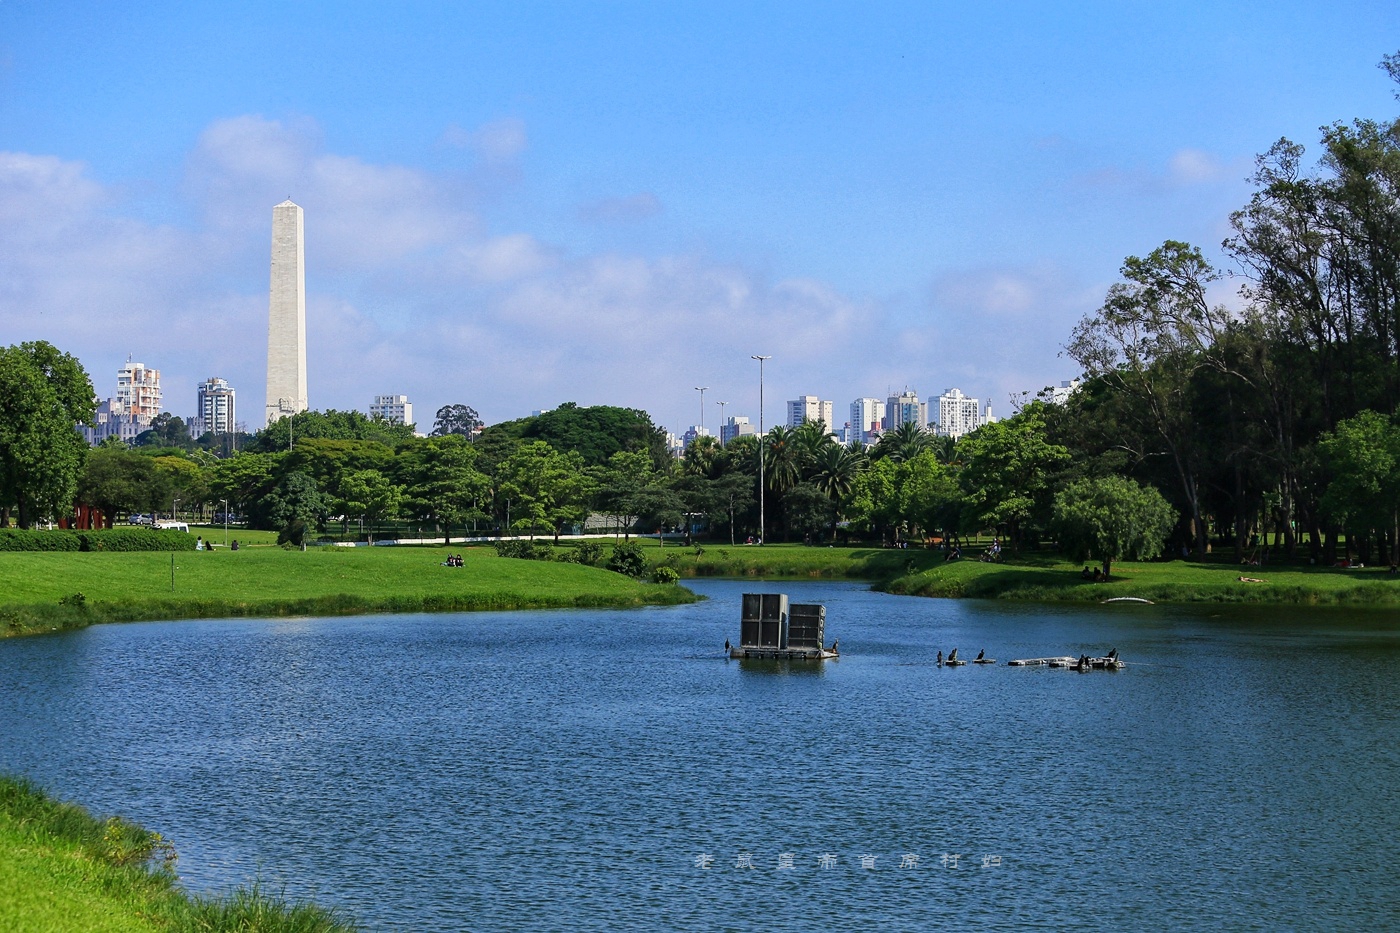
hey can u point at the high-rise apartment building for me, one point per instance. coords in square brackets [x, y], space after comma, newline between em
[215, 405]
[809, 408]
[867, 417]
[905, 408]
[392, 408]
[1060, 394]
[138, 390]
[129, 414]
[958, 414]
[735, 426]
[286, 315]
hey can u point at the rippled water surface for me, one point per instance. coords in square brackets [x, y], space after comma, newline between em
[568, 770]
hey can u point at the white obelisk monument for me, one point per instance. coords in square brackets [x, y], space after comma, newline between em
[286, 316]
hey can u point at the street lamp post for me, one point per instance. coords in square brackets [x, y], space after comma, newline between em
[225, 502]
[721, 420]
[761, 483]
[289, 405]
[175, 510]
[701, 390]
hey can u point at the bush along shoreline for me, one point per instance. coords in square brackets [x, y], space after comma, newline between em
[62, 868]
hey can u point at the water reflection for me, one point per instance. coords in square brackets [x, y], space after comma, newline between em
[545, 770]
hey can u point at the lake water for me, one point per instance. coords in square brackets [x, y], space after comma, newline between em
[573, 770]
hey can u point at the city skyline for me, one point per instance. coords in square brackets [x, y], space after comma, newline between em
[632, 202]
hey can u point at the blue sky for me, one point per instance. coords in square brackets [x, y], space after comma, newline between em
[518, 204]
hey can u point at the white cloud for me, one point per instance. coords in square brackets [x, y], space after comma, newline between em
[1184, 168]
[627, 209]
[1194, 166]
[410, 291]
[496, 141]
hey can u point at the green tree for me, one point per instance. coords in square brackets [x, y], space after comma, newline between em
[1363, 457]
[331, 424]
[834, 472]
[44, 394]
[166, 430]
[1112, 518]
[369, 495]
[297, 500]
[115, 479]
[1154, 332]
[1007, 470]
[595, 433]
[545, 488]
[929, 495]
[441, 481]
[245, 481]
[874, 503]
[903, 443]
[461, 420]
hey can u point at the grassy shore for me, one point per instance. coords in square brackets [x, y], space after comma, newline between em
[1038, 576]
[52, 591]
[62, 869]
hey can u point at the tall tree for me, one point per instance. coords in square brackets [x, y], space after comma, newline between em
[545, 488]
[44, 395]
[442, 482]
[457, 419]
[1152, 334]
[1007, 471]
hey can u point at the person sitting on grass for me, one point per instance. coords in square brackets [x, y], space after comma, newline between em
[1098, 575]
[1086, 573]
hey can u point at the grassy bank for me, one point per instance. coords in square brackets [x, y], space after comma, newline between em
[1052, 579]
[63, 869]
[920, 572]
[48, 591]
[787, 561]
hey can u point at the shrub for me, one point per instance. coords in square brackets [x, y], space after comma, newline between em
[108, 539]
[77, 601]
[135, 539]
[293, 534]
[665, 575]
[627, 558]
[525, 550]
[21, 539]
[589, 552]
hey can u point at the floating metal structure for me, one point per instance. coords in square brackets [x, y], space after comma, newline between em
[770, 627]
[1084, 663]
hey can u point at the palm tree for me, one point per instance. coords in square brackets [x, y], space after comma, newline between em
[904, 443]
[704, 457]
[944, 448]
[835, 474]
[812, 438]
[782, 459]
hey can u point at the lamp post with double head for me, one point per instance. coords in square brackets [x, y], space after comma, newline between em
[761, 360]
[701, 390]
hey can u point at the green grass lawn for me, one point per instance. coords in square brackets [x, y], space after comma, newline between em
[62, 869]
[318, 581]
[1051, 578]
[1036, 576]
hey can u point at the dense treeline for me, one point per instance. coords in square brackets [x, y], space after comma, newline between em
[1275, 421]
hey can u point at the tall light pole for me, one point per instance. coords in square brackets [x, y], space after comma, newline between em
[761, 483]
[721, 420]
[289, 405]
[225, 502]
[701, 390]
[175, 510]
